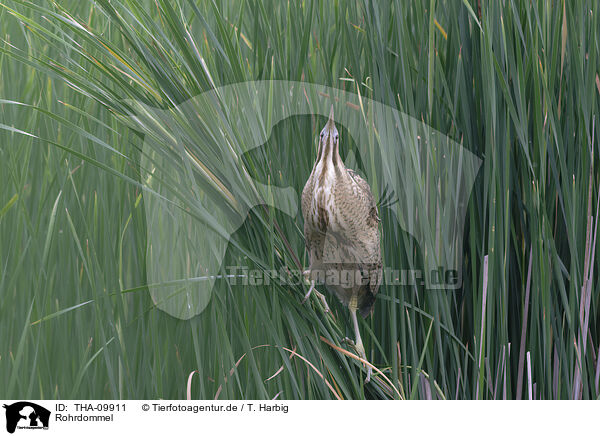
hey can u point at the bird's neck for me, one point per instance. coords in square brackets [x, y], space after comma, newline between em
[329, 163]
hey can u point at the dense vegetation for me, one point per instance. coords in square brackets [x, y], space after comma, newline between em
[514, 82]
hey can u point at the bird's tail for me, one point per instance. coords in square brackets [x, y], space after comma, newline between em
[366, 304]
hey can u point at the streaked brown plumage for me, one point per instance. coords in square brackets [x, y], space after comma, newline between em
[341, 230]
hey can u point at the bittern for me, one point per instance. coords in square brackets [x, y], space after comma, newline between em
[341, 231]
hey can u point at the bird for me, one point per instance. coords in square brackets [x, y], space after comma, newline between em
[341, 232]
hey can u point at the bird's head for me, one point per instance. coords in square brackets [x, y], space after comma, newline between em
[329, 136]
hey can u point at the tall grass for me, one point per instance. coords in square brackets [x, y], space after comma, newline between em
[516, 83]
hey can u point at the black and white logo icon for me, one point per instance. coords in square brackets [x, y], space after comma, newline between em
[26, 415]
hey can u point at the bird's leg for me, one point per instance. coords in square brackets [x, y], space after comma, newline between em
[348, 340]
[308, 279]
[311, 289]
[358, 343]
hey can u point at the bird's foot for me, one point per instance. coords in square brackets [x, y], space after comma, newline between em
[360, 350]
[312, 287]
[323, 300]
[369, 372]
[318, 294]
[347, 340]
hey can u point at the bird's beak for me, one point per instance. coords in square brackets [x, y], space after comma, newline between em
[330, 122]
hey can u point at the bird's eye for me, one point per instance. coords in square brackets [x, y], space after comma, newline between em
[322, 135]
[336, 136]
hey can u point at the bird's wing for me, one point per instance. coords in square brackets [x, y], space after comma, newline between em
[371, 243]
[306, 199]
[366, 196]
[362, 183]
[311, 239]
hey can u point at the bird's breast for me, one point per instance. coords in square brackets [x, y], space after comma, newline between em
[322, 208]
[323, 199]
